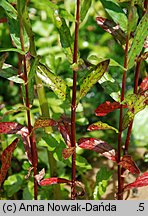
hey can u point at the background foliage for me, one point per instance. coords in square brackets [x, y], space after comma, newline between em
[94, 44]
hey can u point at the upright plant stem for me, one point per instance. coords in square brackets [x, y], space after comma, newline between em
[120, 186]
[32, 142]
[136, 79]
[73, 105]
[137, 72]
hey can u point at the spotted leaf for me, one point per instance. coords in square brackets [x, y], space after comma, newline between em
[6, 159]
[128, 163]
[141, 181]
[98, 146]
[100, 126]
[107, 107]
[67, 152]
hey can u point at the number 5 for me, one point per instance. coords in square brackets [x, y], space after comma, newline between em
[141, 206]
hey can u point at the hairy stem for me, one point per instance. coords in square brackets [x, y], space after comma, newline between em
[32, 141]
[73, 105]
[120, 186]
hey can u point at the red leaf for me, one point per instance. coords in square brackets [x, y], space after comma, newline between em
[67, 152]
[65, 133]
[112, 28]
[141, 181]
[107, 107]
[53, 180]
[98, 146]
[6, 159]
[144, 85]
[10, 127]
[15, 128]
[44, 123]
[129, 164]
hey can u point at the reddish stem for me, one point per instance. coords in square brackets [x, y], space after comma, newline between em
[120, 186]
[32, 141]
[137, 73]
[136, 79]
[73, 105]
[3, 20]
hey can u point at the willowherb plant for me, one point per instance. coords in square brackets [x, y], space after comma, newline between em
[128, 27]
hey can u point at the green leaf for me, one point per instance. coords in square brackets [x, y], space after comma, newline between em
[66, 15]
[13, 50]
[28, 193]
[10, 73]
[92, 78]
[82, 164]
[32, 72]
[46, 4]
[132, 19]
[56, 83]
[101, 126]
[49, 142]
[102, 178]
[86, 4]
[14, 27]
[12, 111]
[21, 7]
[140, 3]
[110, 86]
[65, 36]
[31, 75]
[13, 184]
[31, 91]
[112, 62]
[140, 103]
[10, 10]
[23, 14]
[138, 42]
[2, 59]
[116, 13]
[127, 119]
[135, 103]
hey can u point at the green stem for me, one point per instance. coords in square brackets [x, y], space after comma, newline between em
[45, 113]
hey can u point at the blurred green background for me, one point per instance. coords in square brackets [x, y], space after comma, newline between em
[93, 41]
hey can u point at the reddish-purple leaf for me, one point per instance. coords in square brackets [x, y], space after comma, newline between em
[6, 159]
[44, 123]
[15, 128]
[65, 133]
[34, 153]
[98, 146]
[10, 127]
[112, 28]
[141, 181]
[67, 152]
[107, 107]
[144, 85]
[128, 163]
[53, 180]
